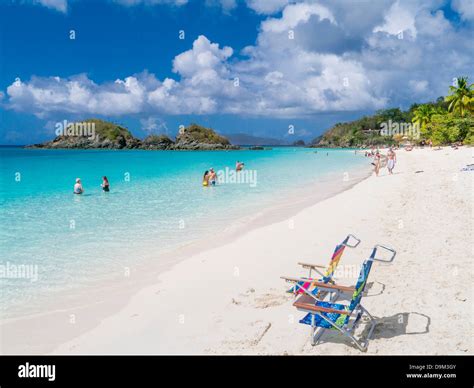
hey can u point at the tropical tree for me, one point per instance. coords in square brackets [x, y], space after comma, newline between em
[398, 138]
[461, 98]
[422, 115]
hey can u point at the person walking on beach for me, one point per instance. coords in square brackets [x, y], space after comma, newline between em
[392, 159]
[78, 189]
[376, 163]
[105, 184]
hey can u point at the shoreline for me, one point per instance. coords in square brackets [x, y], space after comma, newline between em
[229, 299]
[109, 291]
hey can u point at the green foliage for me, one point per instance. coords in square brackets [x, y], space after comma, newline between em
[108, 130]
[461, 99]
[363, 132]
[469, 139]
[422, 115]
[449, 128]
[435, 122]
[202, 135]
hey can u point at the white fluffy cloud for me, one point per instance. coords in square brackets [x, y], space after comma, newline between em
[330, 63]
[58, 5]
[296, 14]
[465, 8]
[267, 7]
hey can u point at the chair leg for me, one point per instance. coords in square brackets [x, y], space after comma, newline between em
[317, 334]
[373, 323]
[364, 345]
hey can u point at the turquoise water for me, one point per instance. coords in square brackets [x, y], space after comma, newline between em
[156, 203]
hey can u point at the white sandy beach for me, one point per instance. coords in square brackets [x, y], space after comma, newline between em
[231, 300]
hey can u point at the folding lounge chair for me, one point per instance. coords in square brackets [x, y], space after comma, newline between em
[326, 315]
[303, 285]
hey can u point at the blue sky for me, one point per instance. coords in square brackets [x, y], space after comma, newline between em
[254, 66]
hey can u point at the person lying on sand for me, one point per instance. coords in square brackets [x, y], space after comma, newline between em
[78, 189]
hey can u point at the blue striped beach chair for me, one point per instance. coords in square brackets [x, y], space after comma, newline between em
[343, 318]
[304, 284]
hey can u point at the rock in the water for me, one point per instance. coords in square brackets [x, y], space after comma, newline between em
[103, 134]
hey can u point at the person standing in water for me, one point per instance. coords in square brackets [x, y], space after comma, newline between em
[239, 166]
[205, 179]
[212, 177]
[78, 189]
[392, 159]
[105, 184]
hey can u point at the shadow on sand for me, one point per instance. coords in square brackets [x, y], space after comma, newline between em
[409, 323]
[396, 325]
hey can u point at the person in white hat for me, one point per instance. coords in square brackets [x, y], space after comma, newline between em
[78, 189]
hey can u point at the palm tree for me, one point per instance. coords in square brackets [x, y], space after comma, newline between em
[461, 97]
[422, 115]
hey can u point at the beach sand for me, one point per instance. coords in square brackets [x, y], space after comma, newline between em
[230, 299]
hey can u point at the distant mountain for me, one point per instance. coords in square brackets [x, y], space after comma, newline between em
[246, 139]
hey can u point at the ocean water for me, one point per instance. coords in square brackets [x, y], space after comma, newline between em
[156, 203]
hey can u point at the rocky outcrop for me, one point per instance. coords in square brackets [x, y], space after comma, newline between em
[195, 137]
[157, 142]
[96, 134]
[65, 142]
[91, 134]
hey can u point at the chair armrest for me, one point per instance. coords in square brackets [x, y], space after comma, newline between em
[295, 280]
[334, 287]
[309, 265]
[311, 307]
[315, 283]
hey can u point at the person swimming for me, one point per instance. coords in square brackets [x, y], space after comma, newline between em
[105, 184]
[205, 179]
[78, 189]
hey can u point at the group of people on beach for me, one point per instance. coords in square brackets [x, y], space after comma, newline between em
[210, 176]
[79, 189]
[379, 159]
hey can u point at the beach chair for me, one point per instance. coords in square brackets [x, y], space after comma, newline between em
[327, 315]
[303, 285]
